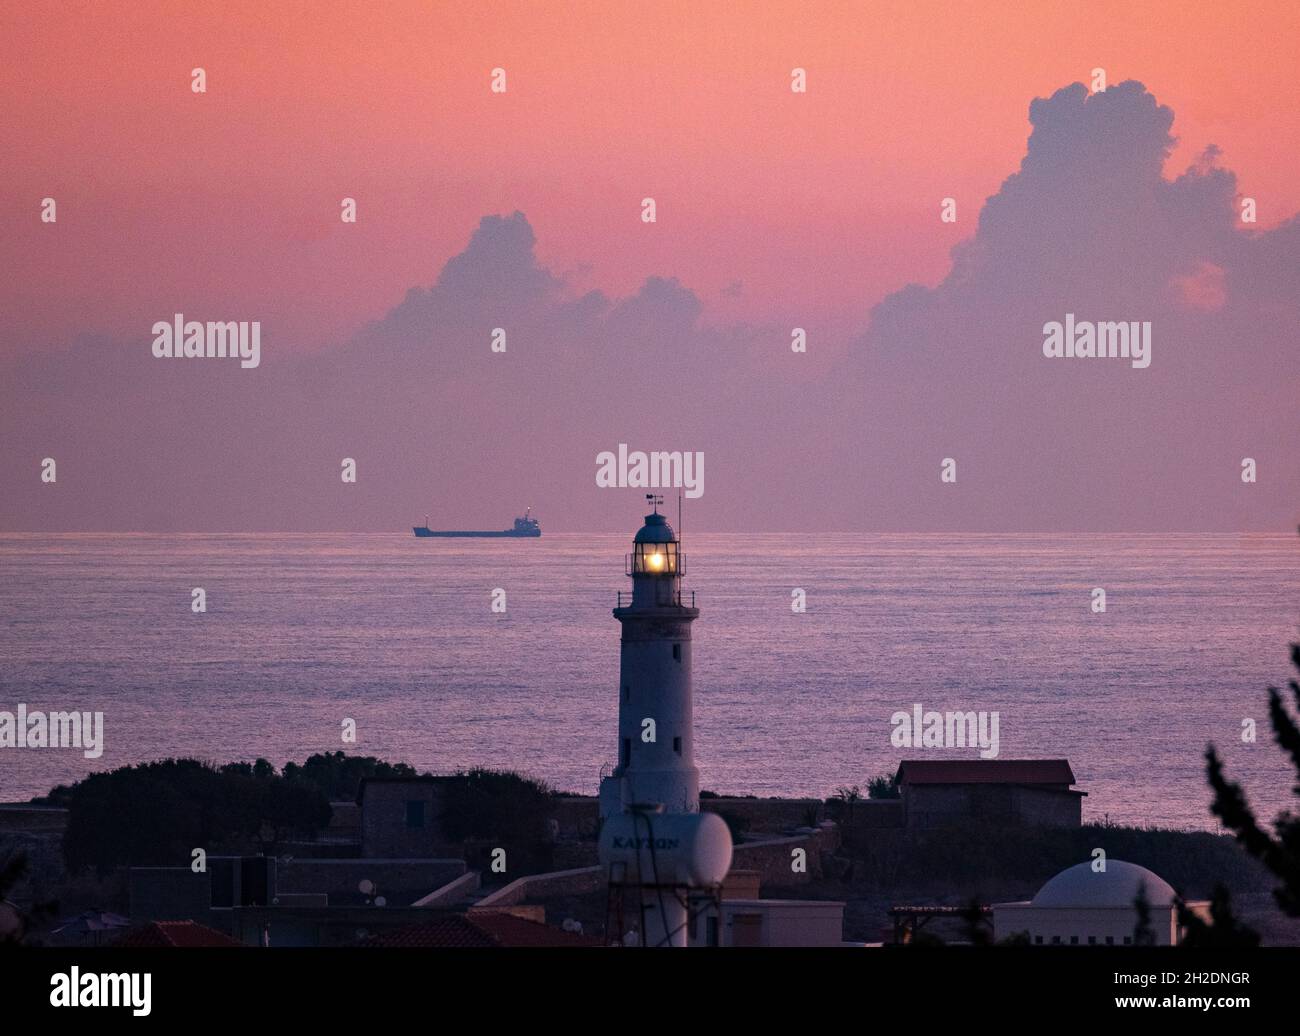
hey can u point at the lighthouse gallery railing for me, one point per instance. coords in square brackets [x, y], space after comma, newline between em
[679, 598]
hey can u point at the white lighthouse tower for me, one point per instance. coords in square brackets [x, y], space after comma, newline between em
[659, 851]
[656, 730]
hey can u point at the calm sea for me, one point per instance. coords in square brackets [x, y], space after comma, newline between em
[303, 631]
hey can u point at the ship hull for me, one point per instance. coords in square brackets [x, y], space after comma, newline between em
[504, 534]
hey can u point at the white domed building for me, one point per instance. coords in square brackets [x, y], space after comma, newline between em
[1086, 907]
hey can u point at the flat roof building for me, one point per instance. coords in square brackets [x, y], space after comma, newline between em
[1084, 906]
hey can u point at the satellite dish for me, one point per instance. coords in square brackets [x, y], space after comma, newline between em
[380, 901]
[366, 886]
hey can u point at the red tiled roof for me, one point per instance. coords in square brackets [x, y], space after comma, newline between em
[457, 931]
[174, 933]
[510, 930]
[985, 771]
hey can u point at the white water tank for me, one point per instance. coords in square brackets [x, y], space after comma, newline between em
[684, 850]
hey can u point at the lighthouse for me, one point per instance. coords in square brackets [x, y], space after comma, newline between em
[659, 851]
[656, 731]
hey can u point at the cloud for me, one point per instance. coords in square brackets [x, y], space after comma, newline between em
[1089, 225]
[439, 422]
[434, 418]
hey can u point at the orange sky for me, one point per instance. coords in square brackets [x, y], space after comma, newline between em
[819, 204]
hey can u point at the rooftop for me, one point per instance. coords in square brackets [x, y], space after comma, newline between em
[480, 929]
[424, 778]
[1116, 886]
[174, 933]
[655, 530]
[985, 771]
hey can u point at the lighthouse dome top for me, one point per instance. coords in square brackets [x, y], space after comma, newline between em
[655, 530]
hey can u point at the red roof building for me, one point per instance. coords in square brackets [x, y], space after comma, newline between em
[986, 771]
[480, 929]
[1008, 792]
[174, 933]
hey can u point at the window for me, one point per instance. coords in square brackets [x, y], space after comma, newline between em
[1110, 940]
[1056, 940]
[1038, 940]
[677, 745]
[677, 652]
[1128, 940]
[710, 931]
[1074, 940]
[415, 814]
[1092, 940]
[656, 559]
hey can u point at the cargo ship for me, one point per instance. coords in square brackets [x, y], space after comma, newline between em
[524, 527]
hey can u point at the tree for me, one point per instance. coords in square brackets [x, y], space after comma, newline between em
[976, 923]
[16, 924]
[737, 825]
[502, 807]
[1222, 929]
[1143, 934]
[13, 923]
[883, 787]
[158, 813]
[338, 775]
[843, 801]
[1280, 851]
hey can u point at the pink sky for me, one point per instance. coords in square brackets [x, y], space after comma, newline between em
[817, 204]
[775, 209]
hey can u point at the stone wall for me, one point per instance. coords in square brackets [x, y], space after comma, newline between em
[772, 859]
[768, 816]
[934, 805]
[876, 814]
[385, 828]
[1048, 807]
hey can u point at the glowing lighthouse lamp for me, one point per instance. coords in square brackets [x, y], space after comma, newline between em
[654, 839]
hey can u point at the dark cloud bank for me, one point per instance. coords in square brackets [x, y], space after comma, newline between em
[436, 421]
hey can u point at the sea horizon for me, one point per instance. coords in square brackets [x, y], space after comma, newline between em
[305, 630]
